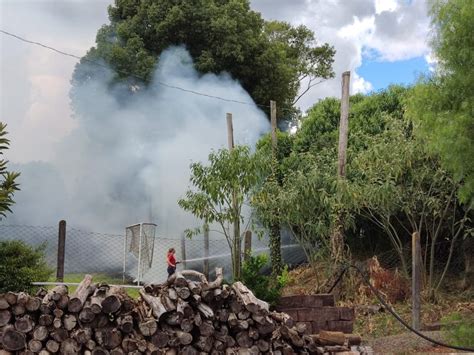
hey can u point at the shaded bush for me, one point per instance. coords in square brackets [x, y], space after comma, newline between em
[20, 265]
[263, 286]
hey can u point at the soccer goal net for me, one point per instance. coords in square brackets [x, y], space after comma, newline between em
[140, 243]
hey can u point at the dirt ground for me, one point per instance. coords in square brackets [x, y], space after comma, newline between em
[409, 343]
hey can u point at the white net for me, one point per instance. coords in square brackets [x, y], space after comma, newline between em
[140, 242]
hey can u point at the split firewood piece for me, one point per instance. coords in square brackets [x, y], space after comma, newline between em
[35, 345]
[125, 323]
[205, 310]
[79, 297]
[55, 294]
[99, 295]
[113, 300]
[154, 303]
[82, 335]
[147, 327]
[248, 299]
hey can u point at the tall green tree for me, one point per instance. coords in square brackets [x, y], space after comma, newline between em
[220, 190]
[8, 182]
[269, 59]
[443, 103]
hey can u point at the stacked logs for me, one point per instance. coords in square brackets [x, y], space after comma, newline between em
[185, 315]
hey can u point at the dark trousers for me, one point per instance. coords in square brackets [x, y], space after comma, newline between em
[171, 270]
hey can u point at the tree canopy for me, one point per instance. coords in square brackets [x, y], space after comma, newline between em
[269, 58]
[443, 103]
[8, 183]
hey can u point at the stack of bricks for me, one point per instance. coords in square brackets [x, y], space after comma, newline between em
[318, 312]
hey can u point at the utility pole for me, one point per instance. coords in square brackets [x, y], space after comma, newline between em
[337, 238]
[236, 222]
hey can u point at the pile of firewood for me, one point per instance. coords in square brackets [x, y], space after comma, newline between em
[186, 315]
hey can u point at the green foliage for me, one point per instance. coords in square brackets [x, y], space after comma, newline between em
[263, 286]
[21, 265]
[459, 330]
[269, 59]
[443, 104]
[8, 184]
[220, 190]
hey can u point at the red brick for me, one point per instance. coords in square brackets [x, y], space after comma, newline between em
[293, 313]
[346, 313]
[317, 326]
[344, 326]
[309, 314]
[329, 313]
[327, 299]
[303, 301]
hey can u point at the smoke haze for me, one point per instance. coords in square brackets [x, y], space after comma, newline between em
[127, 163]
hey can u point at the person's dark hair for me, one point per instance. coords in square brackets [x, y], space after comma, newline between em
[170, 250]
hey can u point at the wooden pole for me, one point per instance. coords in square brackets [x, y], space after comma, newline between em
[247, 245]
[344, 125]
[236, 223]
[337, 237]
[206, 251]
[61, 251]
[275, 238]
[183, 250]
[230, 131]
[273, 120]
[416, 280]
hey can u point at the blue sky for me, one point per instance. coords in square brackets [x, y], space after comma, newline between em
[383, 73]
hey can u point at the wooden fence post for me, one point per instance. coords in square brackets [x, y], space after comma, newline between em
[183, 250]
[61, 251]
[206, 251]
[247, 245]
[416, 280]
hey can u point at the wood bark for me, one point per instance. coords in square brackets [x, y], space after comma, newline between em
[79, 297]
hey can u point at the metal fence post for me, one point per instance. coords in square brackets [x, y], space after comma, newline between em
[183, 250]
[206, 251]
[61, 251]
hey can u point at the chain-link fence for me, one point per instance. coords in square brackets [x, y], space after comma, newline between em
[108, 255]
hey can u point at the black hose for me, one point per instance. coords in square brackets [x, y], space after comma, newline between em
[397, 317]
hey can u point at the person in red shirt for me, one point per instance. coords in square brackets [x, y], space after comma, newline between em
[171, 261]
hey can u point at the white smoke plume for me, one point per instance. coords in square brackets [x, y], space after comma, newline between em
[129, 163]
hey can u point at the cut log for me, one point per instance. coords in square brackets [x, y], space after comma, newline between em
[189, 350]
[100, 351]
[113, 338]
[40, 333]
[52, 346]
[331, 338]
[5, 317]
[10, 297]
[205, 344]
[13, 340]
[18, 309]
[187, 325]
[69, 321]
[147, 327]
[160, 339]
[263, 345]
[250, 302]
[243, 339]
[44, 352]
[24, 324]
[183, 292]
[82, 335]
[205, 310]
[79, 297]
[113, 301]
[33, 304]
[70, 346]
[125, 324]
[57, 323]
[206, 329]
[58, 313]
[86, 315]
[55, 294]
[60, 335]
[45, 319]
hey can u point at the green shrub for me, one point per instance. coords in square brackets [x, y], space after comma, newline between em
[20, 265]
[459, 330]
[264, 287]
